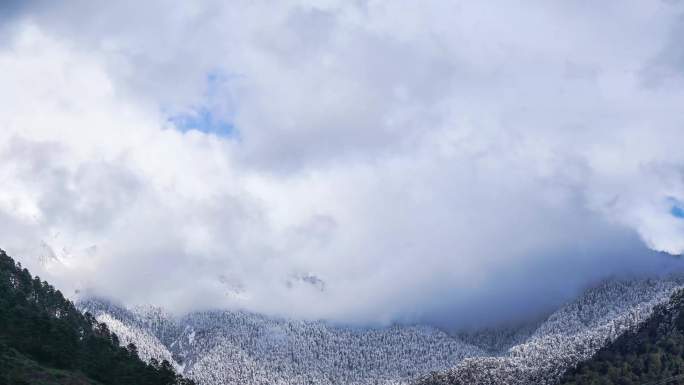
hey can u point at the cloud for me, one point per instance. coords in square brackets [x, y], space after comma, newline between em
[358, 161]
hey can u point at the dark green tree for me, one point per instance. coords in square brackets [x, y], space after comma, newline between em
[38, 323]
[653, 353]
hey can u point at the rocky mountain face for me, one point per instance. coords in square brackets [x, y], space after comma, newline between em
[223, 347]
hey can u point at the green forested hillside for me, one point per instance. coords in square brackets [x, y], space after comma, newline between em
[652, 354]
[44, 339]
[16, 368]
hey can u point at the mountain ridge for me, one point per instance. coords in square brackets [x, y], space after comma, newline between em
[223, 347]
[277, 350]
[572, 334]
[652, 353]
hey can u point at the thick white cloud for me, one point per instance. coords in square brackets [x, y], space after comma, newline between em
[435, 161]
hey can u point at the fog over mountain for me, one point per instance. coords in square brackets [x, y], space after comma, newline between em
[357, 161]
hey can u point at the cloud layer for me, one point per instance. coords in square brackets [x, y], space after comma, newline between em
[457, 163]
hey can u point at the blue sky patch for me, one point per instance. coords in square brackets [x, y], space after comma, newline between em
[213, 114]
[676, 207]
[203, 120]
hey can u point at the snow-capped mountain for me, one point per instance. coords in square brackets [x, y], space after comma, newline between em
[570, 335]
[223, 347]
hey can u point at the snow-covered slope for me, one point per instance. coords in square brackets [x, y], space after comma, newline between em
[130, 329]
[570, 335]
[242, 348]
[224, 347]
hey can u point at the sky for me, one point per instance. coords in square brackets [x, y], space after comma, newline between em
[451, 162]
